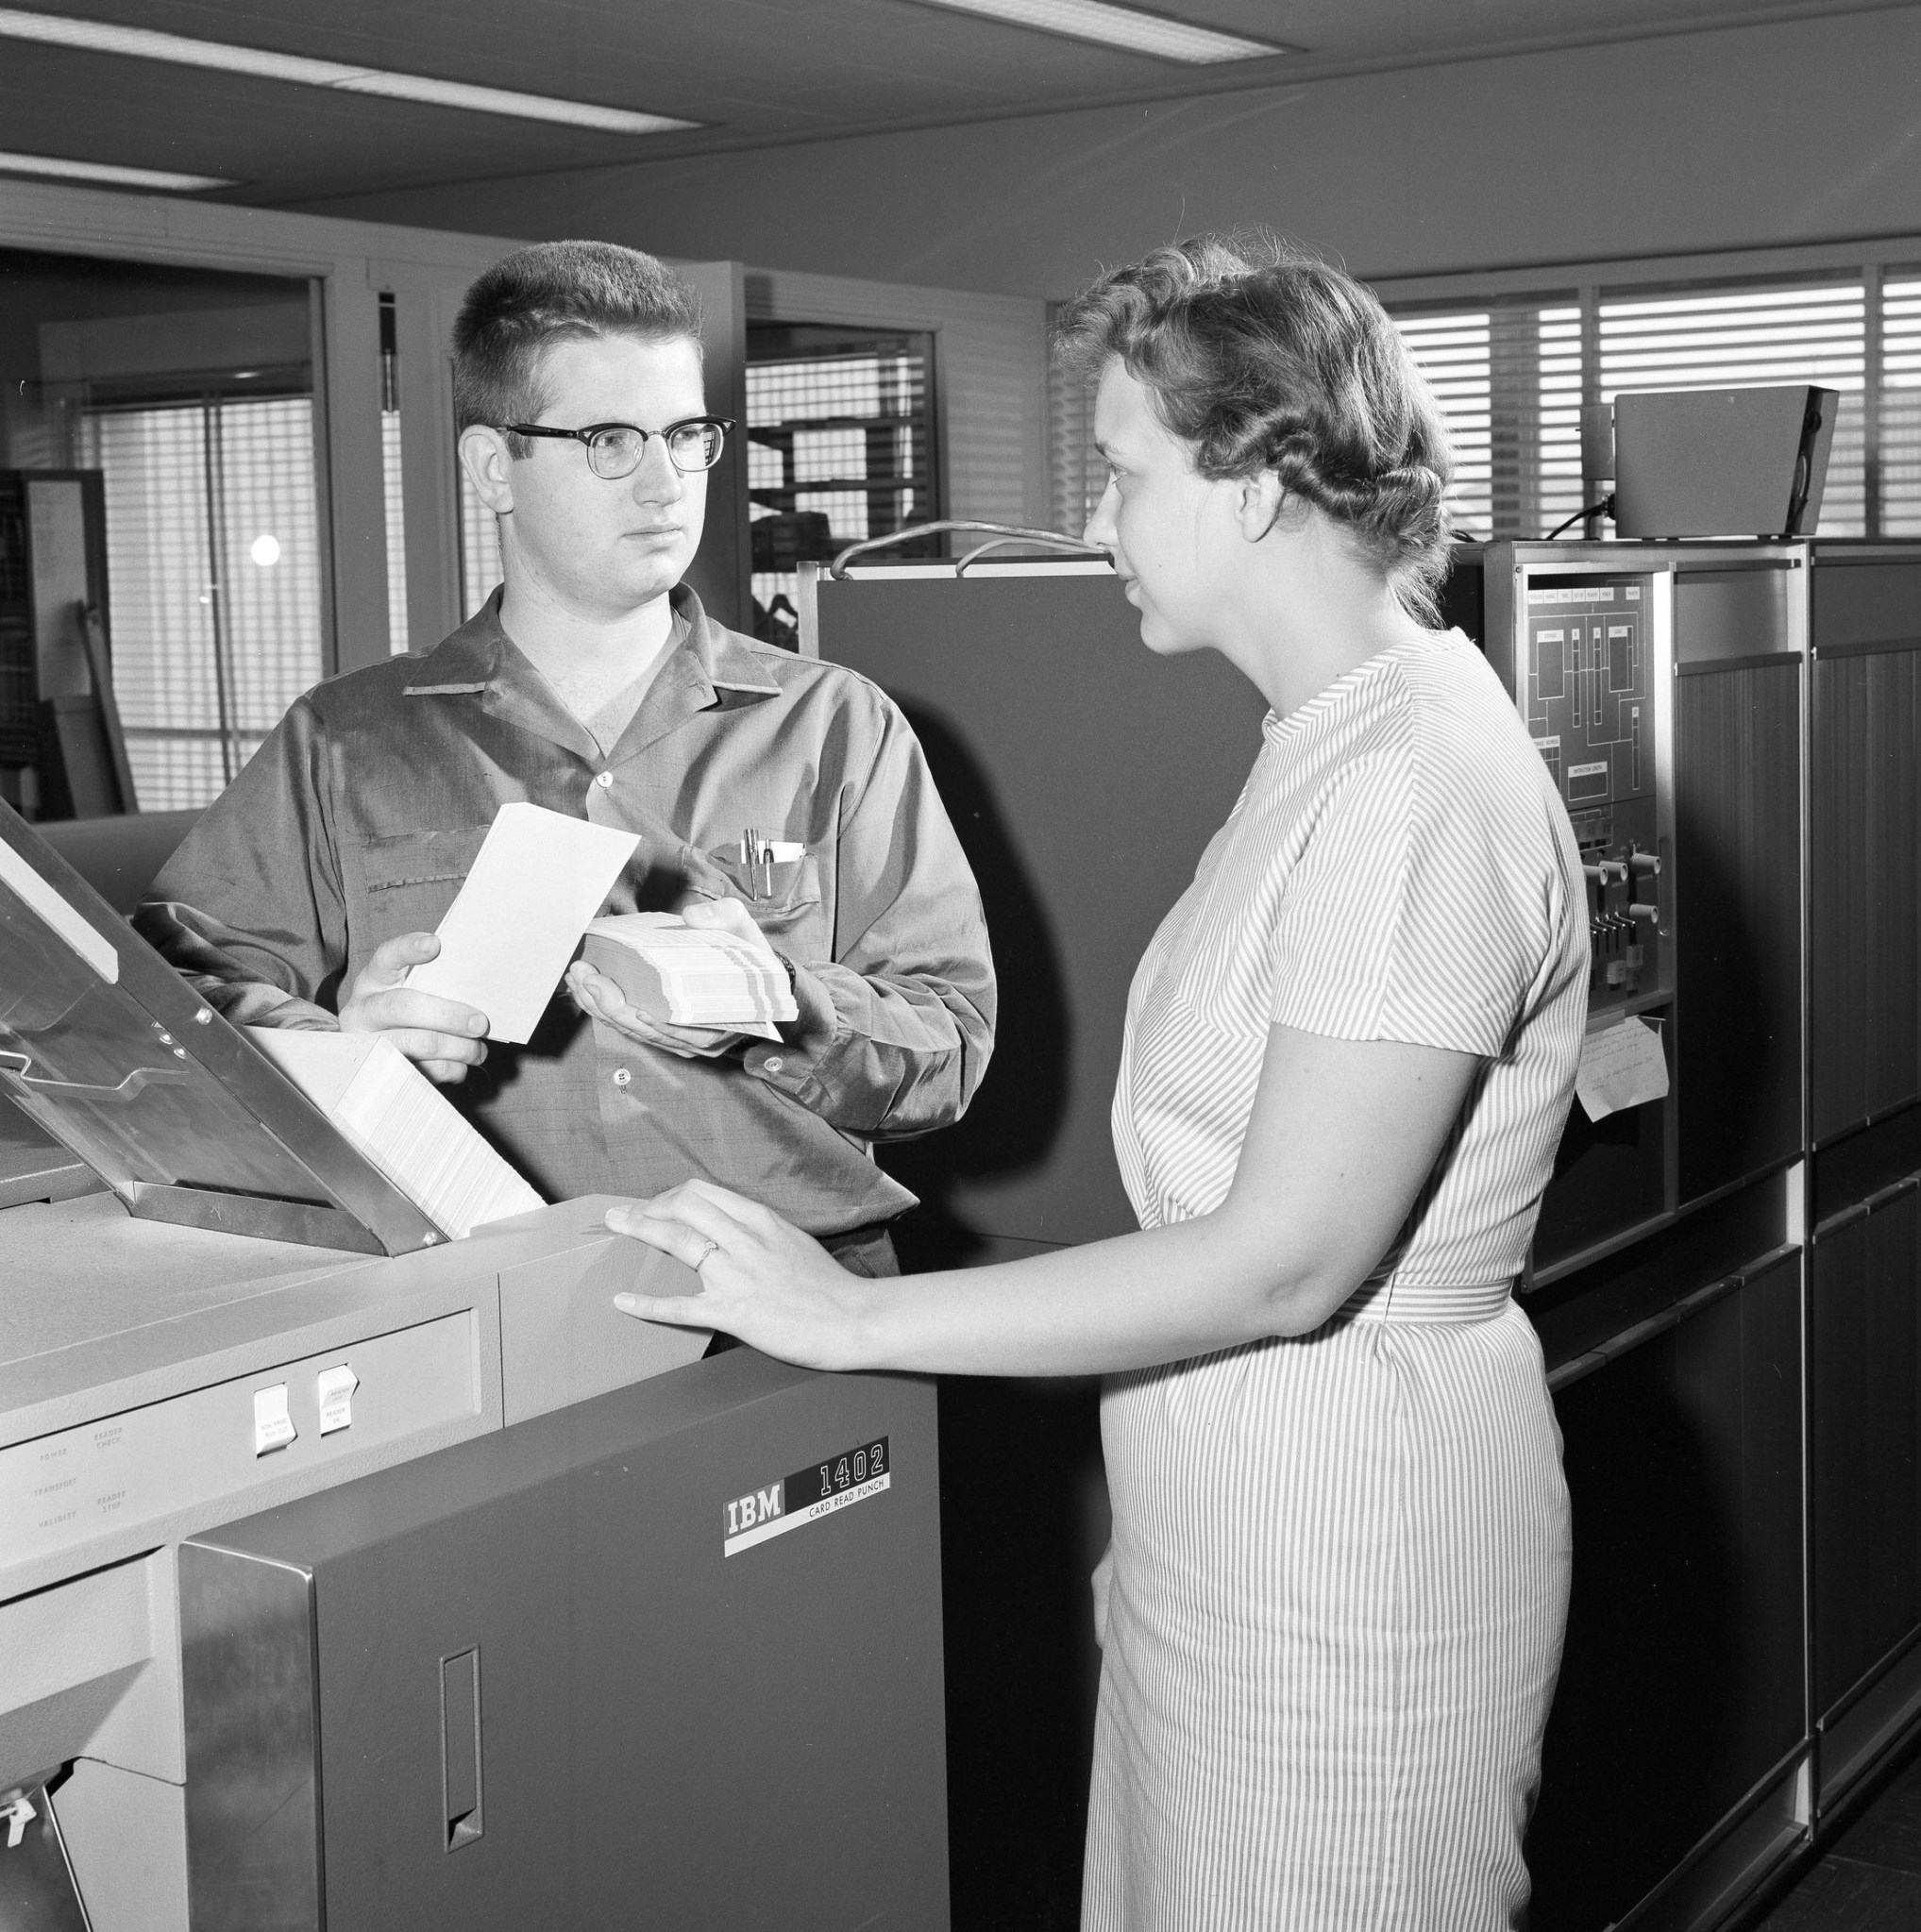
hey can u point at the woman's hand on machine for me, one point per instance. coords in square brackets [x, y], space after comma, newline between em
[761, 1279]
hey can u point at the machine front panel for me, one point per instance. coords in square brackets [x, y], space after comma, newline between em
[597, 1672]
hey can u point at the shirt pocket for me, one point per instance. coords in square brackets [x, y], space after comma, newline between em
[405, 882]
[784, 896]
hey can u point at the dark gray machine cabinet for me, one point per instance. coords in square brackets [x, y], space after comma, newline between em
[668, 1658]
[1682, 1686]
[1084, 777]
[1865, 836]
[1737, 897]
[1864, 960]
[1865, 1385]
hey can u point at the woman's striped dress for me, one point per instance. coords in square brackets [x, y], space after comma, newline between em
[1335, 1596]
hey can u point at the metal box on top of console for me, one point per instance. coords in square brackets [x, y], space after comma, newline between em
[1721, 463]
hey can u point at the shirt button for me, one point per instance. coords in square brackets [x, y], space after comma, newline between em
[621, 1076]
[773, 1063]
[603, 779]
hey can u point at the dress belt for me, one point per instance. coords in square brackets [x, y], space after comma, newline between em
[1411, 1302]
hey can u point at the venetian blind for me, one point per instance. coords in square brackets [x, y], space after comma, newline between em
[480, 569]
[1901, 411]
[1510, 376]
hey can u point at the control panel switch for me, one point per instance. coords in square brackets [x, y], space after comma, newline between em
[333, 1391]
[273, 1426]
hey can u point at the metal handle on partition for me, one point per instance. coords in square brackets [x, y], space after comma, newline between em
[1000, 534]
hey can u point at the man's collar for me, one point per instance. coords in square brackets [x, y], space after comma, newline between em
[466, 660]
[728, 661]
[473, 658]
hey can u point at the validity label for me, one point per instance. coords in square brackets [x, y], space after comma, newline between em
[821, 1489]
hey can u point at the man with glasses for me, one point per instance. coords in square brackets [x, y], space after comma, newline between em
[781, 798]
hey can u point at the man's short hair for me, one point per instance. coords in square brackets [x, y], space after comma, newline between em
[551, 293]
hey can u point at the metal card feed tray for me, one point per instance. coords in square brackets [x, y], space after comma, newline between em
[114, 1054]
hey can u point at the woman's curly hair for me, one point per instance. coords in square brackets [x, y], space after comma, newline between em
[1261, 358]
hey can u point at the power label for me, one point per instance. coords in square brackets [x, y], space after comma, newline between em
[823, 1488]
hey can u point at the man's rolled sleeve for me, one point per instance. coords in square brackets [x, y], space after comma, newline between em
[249, 909]
[895, 1031]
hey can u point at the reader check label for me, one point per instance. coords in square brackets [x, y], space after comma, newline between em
[835, 1483]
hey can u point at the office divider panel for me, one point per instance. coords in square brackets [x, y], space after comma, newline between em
[1084, 775]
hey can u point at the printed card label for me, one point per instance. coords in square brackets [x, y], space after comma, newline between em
[823, 1488]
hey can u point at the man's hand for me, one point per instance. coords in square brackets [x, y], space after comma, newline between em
[442, 1036]
[601, 998]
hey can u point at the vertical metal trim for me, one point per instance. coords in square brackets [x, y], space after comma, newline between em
[1801, 1176]
[251, 1708]
[807, 597]
[1590, 300]
[1662, 672]
[320, 417]
[213, 478]
[1871, 369]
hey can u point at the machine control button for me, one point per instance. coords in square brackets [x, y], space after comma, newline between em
[273, 1426]
[333, 1391]
[621, 1076]
[18, 1815]
[1637, 910]
[1645, 864]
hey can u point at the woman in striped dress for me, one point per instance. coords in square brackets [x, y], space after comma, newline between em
[1333, 1605]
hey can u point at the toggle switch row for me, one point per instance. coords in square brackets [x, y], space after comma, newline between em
[333, 1394]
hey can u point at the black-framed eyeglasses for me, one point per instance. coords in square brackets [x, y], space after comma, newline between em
[615, 449]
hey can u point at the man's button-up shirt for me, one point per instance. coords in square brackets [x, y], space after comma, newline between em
[359, 817]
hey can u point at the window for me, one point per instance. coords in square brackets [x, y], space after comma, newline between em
[1511, 381]
[1512, 370]
[840, 447]
[481, 566]
[1900, 440]
[213, 581]
[393, 488]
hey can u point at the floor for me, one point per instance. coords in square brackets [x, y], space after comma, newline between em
[1869, 1880]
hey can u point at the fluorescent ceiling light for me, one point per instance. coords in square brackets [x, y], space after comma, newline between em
[143, 44]
[63, 170]
[1120, 26]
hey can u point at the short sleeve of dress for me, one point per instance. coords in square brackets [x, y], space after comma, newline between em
[1420, 909]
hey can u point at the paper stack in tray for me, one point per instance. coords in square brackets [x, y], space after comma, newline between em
[395, 1116]
[691, 976]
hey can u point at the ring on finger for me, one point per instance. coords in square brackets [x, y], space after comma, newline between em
[699, 1260]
